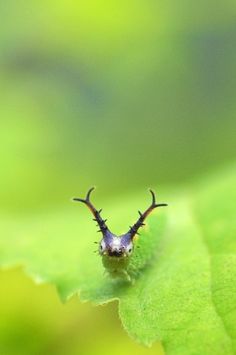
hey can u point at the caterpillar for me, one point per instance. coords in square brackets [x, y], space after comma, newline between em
[116, 250]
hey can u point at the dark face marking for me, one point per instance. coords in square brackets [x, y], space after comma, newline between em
[116, 253]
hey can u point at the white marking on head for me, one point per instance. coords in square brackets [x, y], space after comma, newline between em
[129, 248]
[116, 242]
[102, 247]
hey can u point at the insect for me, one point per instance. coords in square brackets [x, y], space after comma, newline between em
[116, 250]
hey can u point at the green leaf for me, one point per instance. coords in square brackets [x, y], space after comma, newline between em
[185, 291]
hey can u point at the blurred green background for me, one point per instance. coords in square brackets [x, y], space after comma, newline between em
[122, 95]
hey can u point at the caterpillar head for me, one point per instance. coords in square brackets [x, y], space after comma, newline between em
[112, 245]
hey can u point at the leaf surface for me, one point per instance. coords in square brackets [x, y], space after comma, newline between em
[184, 294]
